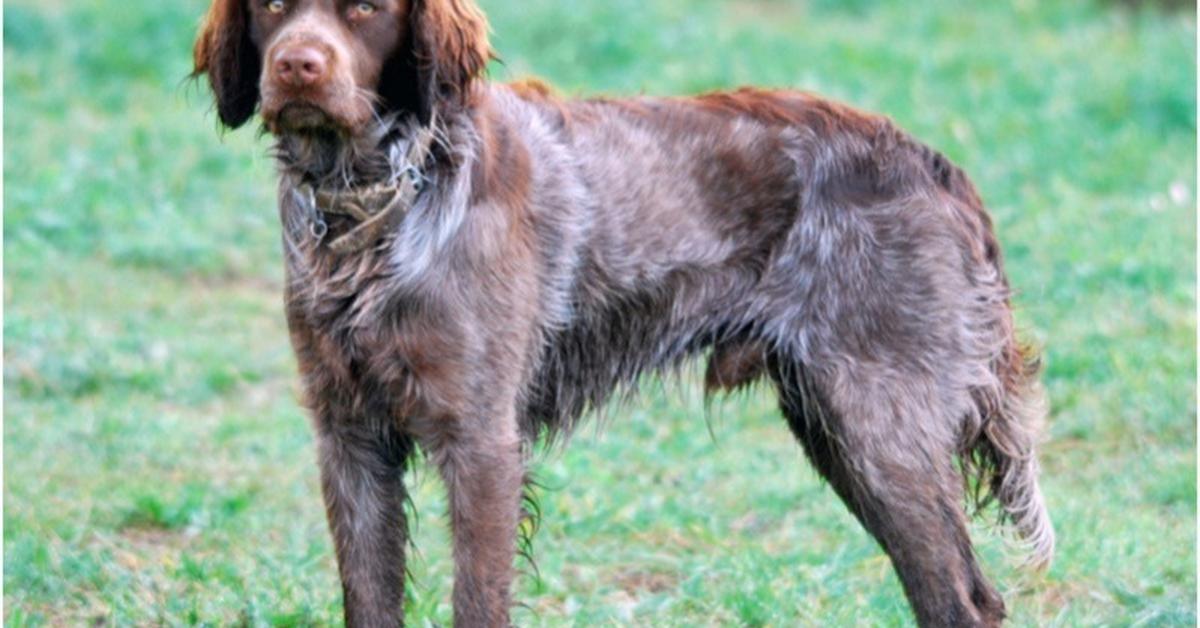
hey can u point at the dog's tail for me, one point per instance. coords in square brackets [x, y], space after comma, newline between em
[1002, 456]
[999, 450]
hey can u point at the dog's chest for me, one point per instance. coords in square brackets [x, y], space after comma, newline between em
[360, 336]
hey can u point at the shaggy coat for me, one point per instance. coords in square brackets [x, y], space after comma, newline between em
[561, 249]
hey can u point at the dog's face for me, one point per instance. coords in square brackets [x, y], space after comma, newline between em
[322, 60]
[334, 65]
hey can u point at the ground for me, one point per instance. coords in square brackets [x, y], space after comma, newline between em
[158, 469]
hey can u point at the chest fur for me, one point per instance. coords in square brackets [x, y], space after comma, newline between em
[364, 345]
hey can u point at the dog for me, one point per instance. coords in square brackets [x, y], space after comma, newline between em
[472, 267]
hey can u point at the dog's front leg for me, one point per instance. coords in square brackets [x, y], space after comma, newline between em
[362, 467]
[481, 462]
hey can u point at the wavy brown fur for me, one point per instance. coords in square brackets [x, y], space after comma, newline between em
[564, 249]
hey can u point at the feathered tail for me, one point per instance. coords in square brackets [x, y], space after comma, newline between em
[1003, 457]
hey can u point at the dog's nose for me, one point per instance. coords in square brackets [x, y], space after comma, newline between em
[300, 66]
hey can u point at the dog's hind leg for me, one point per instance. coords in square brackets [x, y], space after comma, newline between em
[870, 438]
[362, 469]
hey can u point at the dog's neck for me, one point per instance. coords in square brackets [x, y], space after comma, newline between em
[335, 160]
[356, 189]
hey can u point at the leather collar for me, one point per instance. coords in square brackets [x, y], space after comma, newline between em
[378, 208]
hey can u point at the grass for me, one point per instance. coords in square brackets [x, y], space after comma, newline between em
[158, 469]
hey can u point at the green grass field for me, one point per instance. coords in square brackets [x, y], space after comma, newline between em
[158, 469]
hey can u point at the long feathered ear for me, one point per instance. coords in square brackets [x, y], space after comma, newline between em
[448, 52]
[226, 54]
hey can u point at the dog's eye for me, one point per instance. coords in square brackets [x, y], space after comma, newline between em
[363, 9]
[275, 6]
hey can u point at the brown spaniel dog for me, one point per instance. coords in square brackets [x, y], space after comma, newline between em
[472, 267]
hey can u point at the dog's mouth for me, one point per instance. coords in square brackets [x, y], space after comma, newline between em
[302, 117]
[321, 139]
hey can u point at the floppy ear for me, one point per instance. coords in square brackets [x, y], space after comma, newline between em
[448, 51]
[225, 52]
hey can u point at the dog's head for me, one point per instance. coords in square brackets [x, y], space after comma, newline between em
[335, 65]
